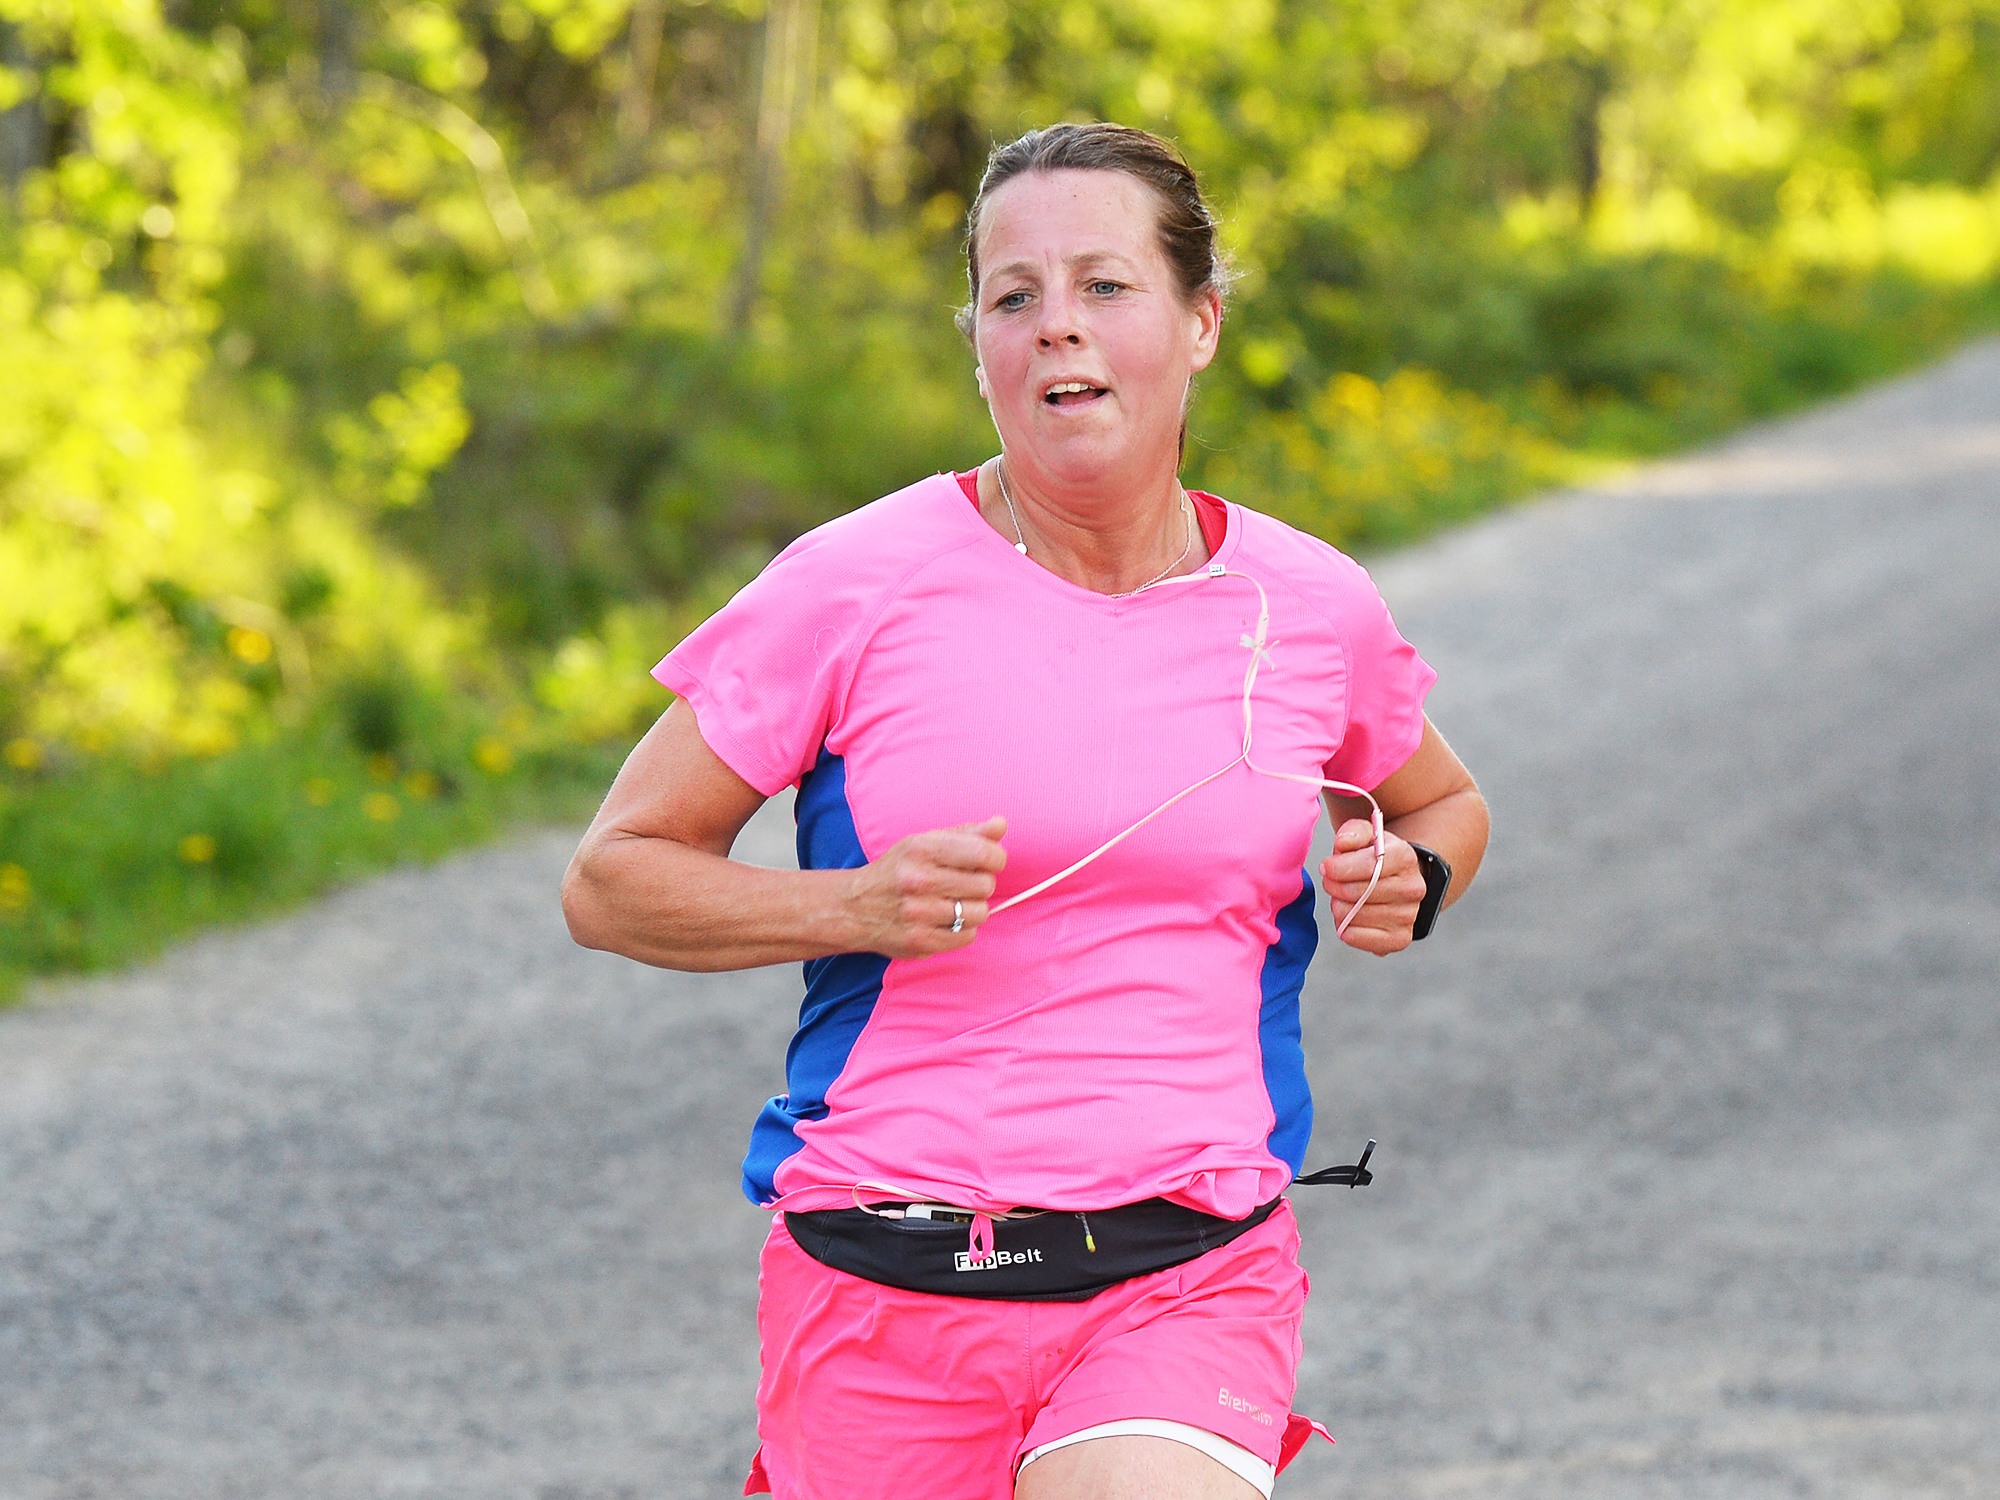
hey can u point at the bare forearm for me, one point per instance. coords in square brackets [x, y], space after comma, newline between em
[677, 907]
[652, 878]
[1455, 826]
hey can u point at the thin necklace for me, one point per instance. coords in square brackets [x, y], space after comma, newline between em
[1021, 540]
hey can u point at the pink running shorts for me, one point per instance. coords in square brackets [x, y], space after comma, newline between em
[867, 1387]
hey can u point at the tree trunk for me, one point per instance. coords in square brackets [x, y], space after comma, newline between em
[642, 71]
[336, 50]
[24, 132]
[1589, 133]
[791, 40]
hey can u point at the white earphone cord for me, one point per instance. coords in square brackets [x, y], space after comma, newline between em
[1259, 653]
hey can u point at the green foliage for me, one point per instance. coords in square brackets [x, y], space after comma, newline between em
[395, 378]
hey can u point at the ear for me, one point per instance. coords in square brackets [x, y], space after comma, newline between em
[979, 377]
[1206, 320]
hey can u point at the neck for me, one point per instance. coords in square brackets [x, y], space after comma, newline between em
[1110, 541]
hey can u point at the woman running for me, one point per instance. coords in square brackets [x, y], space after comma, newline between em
[1059, 728]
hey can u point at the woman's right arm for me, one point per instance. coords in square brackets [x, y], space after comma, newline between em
[653, 879]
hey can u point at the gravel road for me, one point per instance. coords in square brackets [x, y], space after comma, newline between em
[1688, 1114]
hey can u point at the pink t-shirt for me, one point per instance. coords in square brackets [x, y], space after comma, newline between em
[1133, 1032]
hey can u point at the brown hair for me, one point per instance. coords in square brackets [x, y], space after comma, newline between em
[1186, 227]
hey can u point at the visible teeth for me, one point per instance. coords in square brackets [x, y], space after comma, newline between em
[1069, 388]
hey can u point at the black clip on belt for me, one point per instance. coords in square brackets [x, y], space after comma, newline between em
[1355, 1176]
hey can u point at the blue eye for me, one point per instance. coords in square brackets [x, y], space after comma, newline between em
[1012, 302]
[1106, 288]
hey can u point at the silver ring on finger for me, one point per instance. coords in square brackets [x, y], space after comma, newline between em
[958, 916]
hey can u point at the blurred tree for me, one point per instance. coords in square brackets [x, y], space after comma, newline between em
[538, 313]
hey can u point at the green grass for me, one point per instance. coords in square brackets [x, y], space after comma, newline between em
[106, 861]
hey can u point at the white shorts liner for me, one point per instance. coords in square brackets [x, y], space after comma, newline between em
[1238, 1460]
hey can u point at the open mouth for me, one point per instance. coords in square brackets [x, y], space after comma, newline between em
[1072, 393]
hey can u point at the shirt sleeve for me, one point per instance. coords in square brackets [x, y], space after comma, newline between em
[1386, 686]
[766, 674]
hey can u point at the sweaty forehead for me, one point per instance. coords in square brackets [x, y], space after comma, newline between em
[1073, 216]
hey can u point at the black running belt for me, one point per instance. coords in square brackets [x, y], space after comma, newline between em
[1051, 1256]
[1046, 1257]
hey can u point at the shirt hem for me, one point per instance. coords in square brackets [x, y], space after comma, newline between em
[733, 753]
[1392, 763]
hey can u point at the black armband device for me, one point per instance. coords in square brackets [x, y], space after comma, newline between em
[1437, 880]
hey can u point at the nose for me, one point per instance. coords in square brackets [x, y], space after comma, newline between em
[1060, 322]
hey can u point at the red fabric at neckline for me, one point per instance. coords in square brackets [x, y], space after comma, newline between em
[1209, 511]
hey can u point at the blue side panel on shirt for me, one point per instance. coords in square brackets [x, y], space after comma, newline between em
[1278, 1028]
[840, 991]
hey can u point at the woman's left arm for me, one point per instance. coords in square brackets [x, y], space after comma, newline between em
[1431, 801]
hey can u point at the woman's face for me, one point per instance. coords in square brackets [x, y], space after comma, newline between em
[1085, 346]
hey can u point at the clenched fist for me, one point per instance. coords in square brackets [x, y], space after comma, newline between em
[905, 899]
[1390, 913]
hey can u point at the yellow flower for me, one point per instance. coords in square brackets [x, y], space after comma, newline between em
[16, 891]
[420, 785]
[198, 848]
[381, 807]
[24, 754]
[493, 756]
[252, 647]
